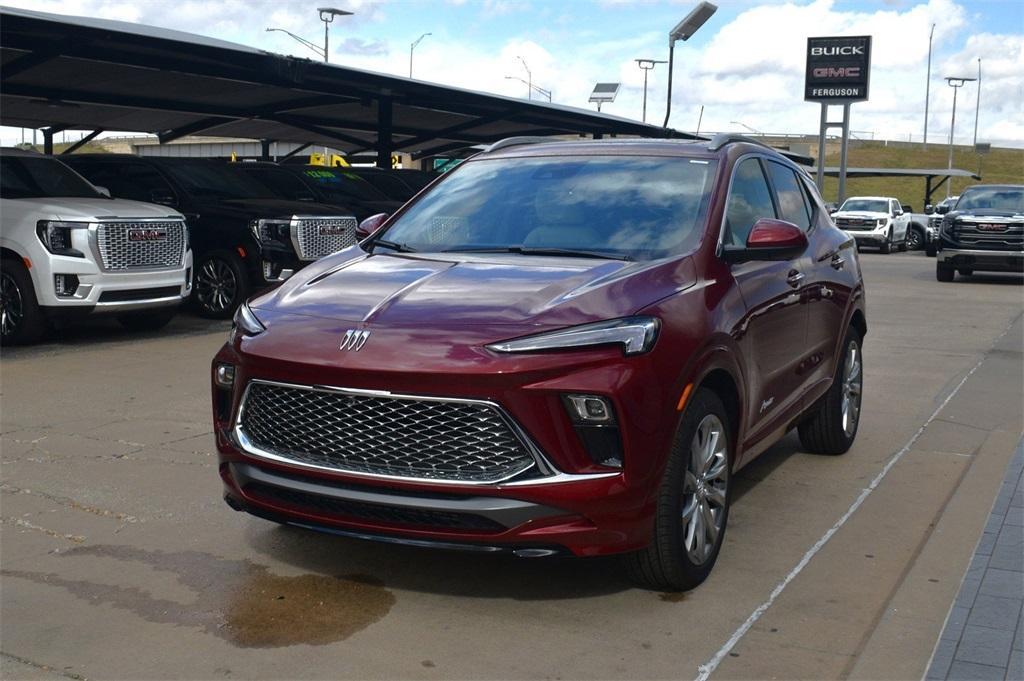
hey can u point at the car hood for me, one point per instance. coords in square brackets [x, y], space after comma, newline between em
[264, 208]
[982, 213]
[437, 291]
[860, 214]
[65, 208]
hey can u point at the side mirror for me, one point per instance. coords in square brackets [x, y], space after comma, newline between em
[942, 210]
[769, 239]
[370, 225]
[908, 209]
[929, 209]
[162, 197]
[102, 190]
[831, 208]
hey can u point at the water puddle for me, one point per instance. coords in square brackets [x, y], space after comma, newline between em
[237, 600]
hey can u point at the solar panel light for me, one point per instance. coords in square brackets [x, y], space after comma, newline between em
[604, 92]
[693, 21]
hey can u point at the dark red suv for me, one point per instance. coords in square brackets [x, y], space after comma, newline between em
[561, 347]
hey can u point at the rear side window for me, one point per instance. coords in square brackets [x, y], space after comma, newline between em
[792, 202]
[749, 201]
[142, 183]
[29, 177]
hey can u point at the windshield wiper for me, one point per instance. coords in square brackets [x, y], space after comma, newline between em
[400, 248]
[537, 250]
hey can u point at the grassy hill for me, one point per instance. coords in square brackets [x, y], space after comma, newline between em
[998, 166]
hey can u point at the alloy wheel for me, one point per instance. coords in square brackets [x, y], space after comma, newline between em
[216, 285]
[12, 307]
[852, 388]
[705, 489]
[913, 240]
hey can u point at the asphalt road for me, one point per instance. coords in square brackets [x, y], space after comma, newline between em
[119, 559]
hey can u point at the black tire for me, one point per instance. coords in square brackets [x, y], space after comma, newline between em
[930, 250]
[903, 247]
[831, 426]
[220, 285]
[886, 248]
[147, 320]
[21, 320]
[965, 271]
[915, 239]
[667, 564]
[944, 272]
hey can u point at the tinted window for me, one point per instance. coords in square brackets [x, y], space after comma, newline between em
[211, 180]
[338, 185]
[1010, 199]
[27, 177]
[638, 208]
[390, 185]
[792, 203]
[749, 201]
[142, 183]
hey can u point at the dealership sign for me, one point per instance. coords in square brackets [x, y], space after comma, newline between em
[838, 69]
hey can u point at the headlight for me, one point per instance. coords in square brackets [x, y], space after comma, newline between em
[56, 236]
[882, 222]
[270, 230]
[246, 322]
[636, 335]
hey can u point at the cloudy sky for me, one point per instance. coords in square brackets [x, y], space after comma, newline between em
[745, 67]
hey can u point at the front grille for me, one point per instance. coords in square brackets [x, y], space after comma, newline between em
[378, 513]
[140, 245]
[139, 294]
[317, 237]
[856, 223]
[972, 233]
[383, 435]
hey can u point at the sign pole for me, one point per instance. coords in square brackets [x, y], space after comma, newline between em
[842, 154]
[820, 179]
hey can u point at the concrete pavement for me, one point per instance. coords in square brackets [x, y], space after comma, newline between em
[119, 559]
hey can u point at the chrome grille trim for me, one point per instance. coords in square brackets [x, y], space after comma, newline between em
[311, 245]
[536, 460]
[115, 253]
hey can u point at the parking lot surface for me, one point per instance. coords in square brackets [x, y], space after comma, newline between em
[119, 559]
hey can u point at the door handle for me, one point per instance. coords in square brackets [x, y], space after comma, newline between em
[794, 278]
[838, 262]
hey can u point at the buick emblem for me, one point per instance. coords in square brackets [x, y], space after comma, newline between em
[354, 340]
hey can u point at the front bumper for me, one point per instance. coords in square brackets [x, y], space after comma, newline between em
[984, 260]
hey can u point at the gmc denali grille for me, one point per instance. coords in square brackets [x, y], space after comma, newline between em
[383, 435]
[317, 237]
[140, 245]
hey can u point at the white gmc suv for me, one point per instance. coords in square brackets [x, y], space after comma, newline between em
[878, 221]
[70, 250]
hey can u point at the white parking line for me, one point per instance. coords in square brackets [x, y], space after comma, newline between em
[705, 670]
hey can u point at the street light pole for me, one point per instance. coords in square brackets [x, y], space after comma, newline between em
[927, 88]
[413, 47]
[535, 88]
[529, 76]
[977, 106]
[683, 31]
[956, 84]
[645, 66]
[327, 15]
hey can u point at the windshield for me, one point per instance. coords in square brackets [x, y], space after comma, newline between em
[866, 205]
[617, 207]
[213, 181]
[1009, 199]
[281, 182]
[28, 177]
[337, 185]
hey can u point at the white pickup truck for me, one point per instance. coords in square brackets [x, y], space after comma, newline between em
[68, 250]
[878, 221]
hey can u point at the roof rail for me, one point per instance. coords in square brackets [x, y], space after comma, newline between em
[516, 141]
[723, 138]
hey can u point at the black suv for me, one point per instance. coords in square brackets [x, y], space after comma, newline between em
[983, 232]
[400, 185]
[327, 185]
[243, 235]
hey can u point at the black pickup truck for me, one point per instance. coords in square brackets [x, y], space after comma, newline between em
[983, 232]
[244, 236]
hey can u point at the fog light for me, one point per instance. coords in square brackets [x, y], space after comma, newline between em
[224, 375]
[65, 285]
[590, 409]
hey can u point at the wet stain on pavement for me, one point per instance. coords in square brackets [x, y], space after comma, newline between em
[673, 596]
[237, 600]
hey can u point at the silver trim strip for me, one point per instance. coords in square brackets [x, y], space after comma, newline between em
[950, 253]
[544, 466]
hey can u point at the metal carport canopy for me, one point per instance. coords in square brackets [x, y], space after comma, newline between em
[96, 74]
[929, 175]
